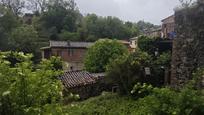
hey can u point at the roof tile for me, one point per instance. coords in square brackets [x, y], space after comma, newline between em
[73, 79]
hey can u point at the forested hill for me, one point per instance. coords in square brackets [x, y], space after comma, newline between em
[57, 20]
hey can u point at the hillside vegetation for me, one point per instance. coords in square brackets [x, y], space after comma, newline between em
[158, 101]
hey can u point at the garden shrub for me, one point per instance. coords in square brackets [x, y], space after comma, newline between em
[165, 101]
[106, 104]
[25, 88]
[154, 101]
[141, 90]
[147, 44]
[127, 70]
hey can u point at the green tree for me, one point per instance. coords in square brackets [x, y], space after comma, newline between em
[69, 36]
[109, 27]
[101, 53]
[8, 22]
[60, 15]
[114, 28]
[128, 70]
[132, 29]
[90, 23]
[24, 38]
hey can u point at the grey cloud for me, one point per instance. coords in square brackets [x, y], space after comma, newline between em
[130, 10]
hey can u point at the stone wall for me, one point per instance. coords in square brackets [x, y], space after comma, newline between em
[188, 46]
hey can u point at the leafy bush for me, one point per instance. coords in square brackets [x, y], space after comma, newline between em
[189, 100]
[25, 87]
[141, 90]
[160, 101]
[106, 104]
[146, 44]
[163, 60]
[57, 63]
[128, 70]
[153, 101]
[196, 82]
[165, 101]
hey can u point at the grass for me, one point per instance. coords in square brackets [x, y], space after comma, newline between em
[106, 104]
[162, 101]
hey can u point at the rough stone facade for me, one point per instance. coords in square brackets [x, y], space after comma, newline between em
[188, 46]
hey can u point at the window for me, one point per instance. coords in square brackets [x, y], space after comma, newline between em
[70, 52]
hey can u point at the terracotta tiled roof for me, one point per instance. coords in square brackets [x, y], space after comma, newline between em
[73, 79]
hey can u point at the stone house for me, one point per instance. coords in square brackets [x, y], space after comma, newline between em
[168, 27]
[73, 53]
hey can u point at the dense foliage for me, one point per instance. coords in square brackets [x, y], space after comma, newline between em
[27, 88]
[108, 27]
[24, 38]
[7, 23]
[102, 53]
[165, 101]
[146, 44]
[149, 101]
[128, 70]
[106, 104]
[141, 90]
[161, 65]
[160, 58]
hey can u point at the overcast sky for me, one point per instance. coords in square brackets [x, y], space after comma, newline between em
[130, 10]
